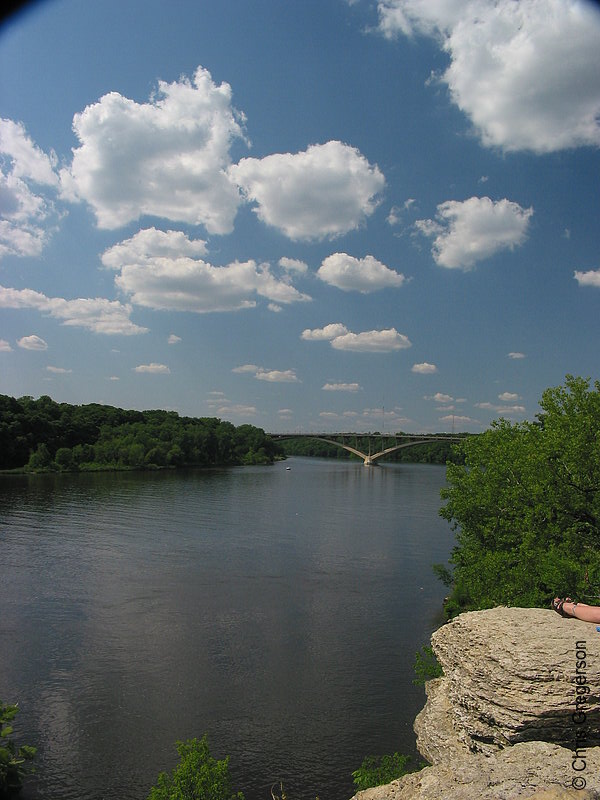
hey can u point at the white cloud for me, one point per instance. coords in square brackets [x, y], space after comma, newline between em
[237, 410]
[341, 387]
[173, 339]
[158, 270]
[325, 334]
[28, 161]
[59, 370]
[269, 375]
[168, 157]
[516, 356]
[358, 274]
[32, 342]
[159, 244]
[153, 369]
[98, 315]
[293, 265]
[251, 368]
[589, 278]
[455, 419]
[469, 231]
[424, 369]
[525, 73]
[277, 376]
[325, 191]
[5, 346]
[440, 397]
[383, 341]
[500, 409]
[508, 397]
[27, 219]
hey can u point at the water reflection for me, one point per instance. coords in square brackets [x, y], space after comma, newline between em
[272, 609]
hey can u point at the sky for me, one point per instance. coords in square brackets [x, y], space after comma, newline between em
[307, 215]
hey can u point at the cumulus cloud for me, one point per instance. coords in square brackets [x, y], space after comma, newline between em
[424, 368]
[32, 342]
[153, 369]
[269, 375]
[27, 218]
[59, 370]
[329, 332]
[525, 73]
[465, 232]
[382, 341]
[160, 270]
[358, 274]
[508, 397]
[98, 315]
[173, 339]
[341, 387]
[589, 278]
[439, 397]
[5, 346]
[167, 157]
[516, 356]
[324, 191]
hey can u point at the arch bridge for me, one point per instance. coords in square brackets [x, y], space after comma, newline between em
[369, 458]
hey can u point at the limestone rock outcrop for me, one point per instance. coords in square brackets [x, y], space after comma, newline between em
[516, 714]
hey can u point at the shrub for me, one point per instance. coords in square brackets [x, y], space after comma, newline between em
[378, 770]
[426, 665]
[13, 759]
[198, 776]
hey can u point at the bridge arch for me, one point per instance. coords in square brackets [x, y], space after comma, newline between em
[369, 459]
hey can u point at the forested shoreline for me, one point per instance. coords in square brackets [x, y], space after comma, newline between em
[43, 435]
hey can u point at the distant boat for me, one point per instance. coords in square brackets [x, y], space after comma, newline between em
[288, 467]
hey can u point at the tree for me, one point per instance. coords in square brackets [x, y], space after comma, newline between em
[198, 776]
[41, 459]
[12, 758]
[64, 458]
[526, 505]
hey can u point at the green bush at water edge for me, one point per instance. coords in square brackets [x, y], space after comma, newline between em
[13, 759]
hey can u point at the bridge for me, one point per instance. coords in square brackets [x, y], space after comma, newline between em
[369, 458]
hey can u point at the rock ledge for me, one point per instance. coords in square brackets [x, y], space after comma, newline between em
[516, 715]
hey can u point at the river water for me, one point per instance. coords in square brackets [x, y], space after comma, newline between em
[277, 609]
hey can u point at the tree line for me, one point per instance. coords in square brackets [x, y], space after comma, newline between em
[43, 435]
[525, 504]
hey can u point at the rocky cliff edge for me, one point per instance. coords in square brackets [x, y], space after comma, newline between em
[516, 714]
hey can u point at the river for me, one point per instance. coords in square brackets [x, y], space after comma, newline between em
[277, 609]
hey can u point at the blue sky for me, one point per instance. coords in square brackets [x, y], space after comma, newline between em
[306, 215]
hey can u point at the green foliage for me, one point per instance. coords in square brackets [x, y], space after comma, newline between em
[13, 759]
[198, 776]
[526, 505]
[378, 770]
[426, 666]
[442, 572]
[41, 435]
